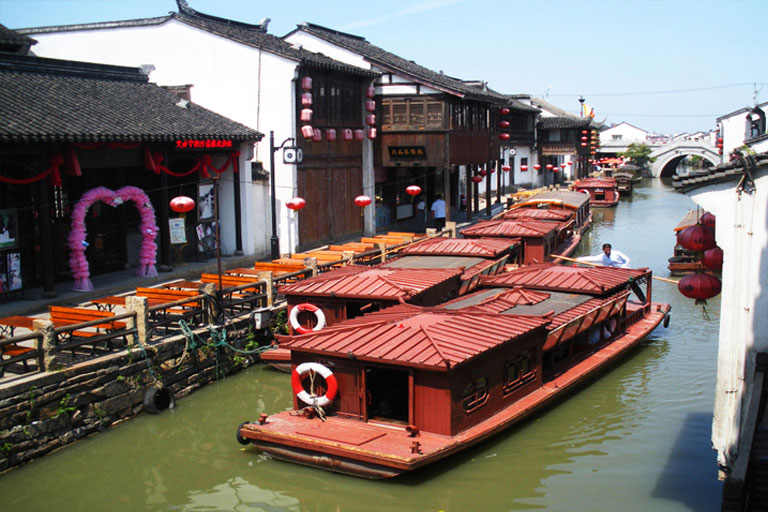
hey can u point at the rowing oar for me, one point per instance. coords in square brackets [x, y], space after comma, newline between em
[596, 265]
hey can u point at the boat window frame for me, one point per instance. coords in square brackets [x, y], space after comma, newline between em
[477, 397]
[510, 385]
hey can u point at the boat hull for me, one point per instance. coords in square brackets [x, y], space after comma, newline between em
[383, 450]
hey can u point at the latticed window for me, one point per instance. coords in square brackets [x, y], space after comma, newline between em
[475, 394]
[519, 371]
[412, 114]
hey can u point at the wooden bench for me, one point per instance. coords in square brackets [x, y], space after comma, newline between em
[61, 315]
[277, 268]
[166, 295]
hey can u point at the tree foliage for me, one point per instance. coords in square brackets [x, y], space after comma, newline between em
[639, 155]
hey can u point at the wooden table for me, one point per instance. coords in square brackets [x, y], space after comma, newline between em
[109, 303]
[9, 324]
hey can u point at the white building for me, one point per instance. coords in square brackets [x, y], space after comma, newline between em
[737, 194]
[746, 126]
[242, 72]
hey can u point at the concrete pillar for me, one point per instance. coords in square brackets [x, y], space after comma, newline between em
[51, 359]
[266, 276]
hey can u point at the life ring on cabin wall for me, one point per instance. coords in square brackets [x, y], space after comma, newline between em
[332, 387]
[306, 306]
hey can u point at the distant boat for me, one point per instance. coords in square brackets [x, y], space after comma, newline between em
[602, 191]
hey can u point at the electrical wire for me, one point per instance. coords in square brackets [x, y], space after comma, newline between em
[670, 91]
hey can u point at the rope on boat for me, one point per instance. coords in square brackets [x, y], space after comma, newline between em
[305, 411]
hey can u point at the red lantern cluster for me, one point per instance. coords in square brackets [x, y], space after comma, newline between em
[507, 168]
[347, 134]
[719, 143]
[362, 201]
[477, 179]
[697, 238]
[504, 124]
[713, 258]
[182, 204]
[296, 203]
[699, 286]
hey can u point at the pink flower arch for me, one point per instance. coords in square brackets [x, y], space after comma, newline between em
[77, 243]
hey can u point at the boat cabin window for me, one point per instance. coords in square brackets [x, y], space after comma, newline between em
[519, 371]
[475, 394]
[387, 394]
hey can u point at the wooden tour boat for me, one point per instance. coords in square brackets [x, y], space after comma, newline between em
[424, 273]
[624, 182]
[389, 392]
[602, 191]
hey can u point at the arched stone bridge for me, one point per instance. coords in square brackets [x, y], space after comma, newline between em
[669, 155]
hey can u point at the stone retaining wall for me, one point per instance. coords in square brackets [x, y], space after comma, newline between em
[45, 411]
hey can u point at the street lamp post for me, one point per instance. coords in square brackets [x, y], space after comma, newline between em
[274, 240]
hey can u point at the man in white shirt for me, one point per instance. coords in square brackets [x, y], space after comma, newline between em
[609, 258]
[438, 212]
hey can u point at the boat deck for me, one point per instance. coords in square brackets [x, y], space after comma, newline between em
[381, 450]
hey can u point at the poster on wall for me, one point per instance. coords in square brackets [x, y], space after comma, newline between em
[14, 271]
[7, 229]
[178, 230]
[205, 201]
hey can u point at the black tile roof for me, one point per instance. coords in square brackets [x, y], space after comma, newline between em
[732, 171]
[51, 100]
[12, 41]
[550, 123]
[391, 62]
[247, 34]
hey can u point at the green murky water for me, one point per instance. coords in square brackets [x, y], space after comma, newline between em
[635, 440]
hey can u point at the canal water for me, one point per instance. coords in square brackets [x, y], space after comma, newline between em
[637, 439]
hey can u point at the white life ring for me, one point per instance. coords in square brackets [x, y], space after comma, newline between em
[330, 380]
[306, 306]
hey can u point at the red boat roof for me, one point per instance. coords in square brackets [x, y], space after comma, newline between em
[485, 247]
[595, 183]
[511, 228]
[562, 307]
[546, 276]
[568, 198]
[559, 215]
[424, 338]
[357, 281]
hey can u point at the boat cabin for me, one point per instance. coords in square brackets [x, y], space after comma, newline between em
[602, 191]
[539, 238]
[441, 372]
[347, 292]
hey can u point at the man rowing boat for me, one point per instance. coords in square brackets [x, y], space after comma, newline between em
[609, 258]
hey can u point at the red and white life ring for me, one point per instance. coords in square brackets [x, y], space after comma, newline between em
[306, 306]
[330, 381]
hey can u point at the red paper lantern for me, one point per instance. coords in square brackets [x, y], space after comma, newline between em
[362, 201]
[413, 190]
[330, 134]
[306, 83]
[307, 131]
[549, 166]
[555, 169]
[346, 134]
[524, 168]
[182, 204]
[482, 173]
[296, 203]
[504, 136]
[306, 99]
[713, 258]
[707, 220]
[371, 132]
[317, 135]
[507, 168]
[370, 92]
[477, 179]
[504, 111]
[370, 106]
[536, 166]
[306, 115]
[370, 119]
[359, 135]
[696, 238]
[567, 163]
[699, 286]
[503, 124]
